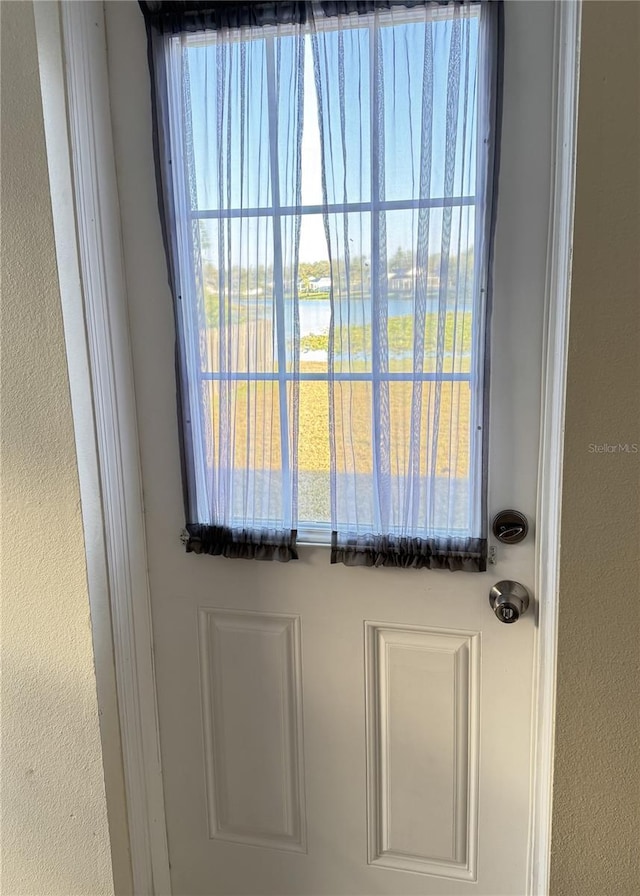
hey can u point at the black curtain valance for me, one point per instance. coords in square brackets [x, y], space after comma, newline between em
[172, 16]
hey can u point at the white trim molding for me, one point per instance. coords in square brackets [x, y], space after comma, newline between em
[113, 437]
[52, 80]
[554, 370]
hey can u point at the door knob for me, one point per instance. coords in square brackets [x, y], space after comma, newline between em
[509, 600]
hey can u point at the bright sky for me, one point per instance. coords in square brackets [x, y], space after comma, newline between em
[232, 158]
[312, 236]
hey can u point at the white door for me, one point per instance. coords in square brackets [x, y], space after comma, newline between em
[333, 730]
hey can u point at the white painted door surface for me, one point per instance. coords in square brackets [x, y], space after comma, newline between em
[333, 730]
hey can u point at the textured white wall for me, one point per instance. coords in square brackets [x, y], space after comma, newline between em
[596, 818]
[54, 823]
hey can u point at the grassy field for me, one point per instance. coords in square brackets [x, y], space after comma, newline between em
[254, 409]
[356, 341]
[353, 426]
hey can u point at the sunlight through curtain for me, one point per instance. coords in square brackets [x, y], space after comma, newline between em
[404, 171]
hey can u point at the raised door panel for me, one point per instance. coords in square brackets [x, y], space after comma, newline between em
[422, 738]
[252, 714]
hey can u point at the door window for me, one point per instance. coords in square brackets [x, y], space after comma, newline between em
[326, 183]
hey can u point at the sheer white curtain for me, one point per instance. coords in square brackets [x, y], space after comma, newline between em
[362, 135]
[234, 113]
[404, 171]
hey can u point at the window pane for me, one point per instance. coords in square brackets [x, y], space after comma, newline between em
[348, 174]
[313, 454]
[238, 285]
[430, 461]
[227, 97]
[245, 451]
[428, 109]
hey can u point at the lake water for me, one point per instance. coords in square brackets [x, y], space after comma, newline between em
[315, 317]
[315, 314]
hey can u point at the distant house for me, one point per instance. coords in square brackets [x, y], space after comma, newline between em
[319, 284]
[400, 281]
[404, 280]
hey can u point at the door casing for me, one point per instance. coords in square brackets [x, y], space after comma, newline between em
[72, 57]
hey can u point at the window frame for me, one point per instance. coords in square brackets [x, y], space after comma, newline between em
[319, 532]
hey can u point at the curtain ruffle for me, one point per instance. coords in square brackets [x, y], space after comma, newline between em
[241, 544]
[468, 554]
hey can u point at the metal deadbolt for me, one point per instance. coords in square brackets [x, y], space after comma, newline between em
[510, 526]
[509, 600]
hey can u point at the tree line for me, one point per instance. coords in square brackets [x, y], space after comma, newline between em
[258, 280]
